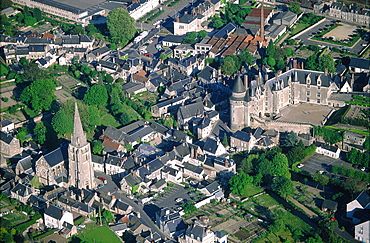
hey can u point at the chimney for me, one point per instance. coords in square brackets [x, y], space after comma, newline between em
[113, 197]
[246, 81]
[326, 71]
[186, 12]
[47, 204]
[302, 65]
[226, 163]
[178, 19]
[266, 77]
[262, 32]
[295, 63]
[138, 214]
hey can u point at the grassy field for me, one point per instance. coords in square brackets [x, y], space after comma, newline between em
[252, 190]
[300, 27]
[98, 234]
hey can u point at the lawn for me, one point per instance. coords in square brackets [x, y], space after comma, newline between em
[300, 27]
[267, 201]
[100, 234]
[252, 190]
[108, 120]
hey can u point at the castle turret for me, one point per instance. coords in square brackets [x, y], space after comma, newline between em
[237, 109]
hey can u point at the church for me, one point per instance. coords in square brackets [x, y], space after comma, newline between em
[264, 98]
[69, 165]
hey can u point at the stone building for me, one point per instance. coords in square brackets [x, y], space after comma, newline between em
[9, 145]
[263, 97]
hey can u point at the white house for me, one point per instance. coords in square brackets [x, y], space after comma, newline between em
[327, 150]
[55, 217]
[362, 232]
[361, 202]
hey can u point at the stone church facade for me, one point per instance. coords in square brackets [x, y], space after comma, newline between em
[68, 165]
[262, 97]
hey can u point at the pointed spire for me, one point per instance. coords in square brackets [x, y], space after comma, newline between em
[238, 85]
[78, 136]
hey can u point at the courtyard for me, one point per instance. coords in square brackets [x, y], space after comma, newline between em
[341, 33]
[305, 113]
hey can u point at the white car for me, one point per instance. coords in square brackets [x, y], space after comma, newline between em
[300, 166]
[179, 199]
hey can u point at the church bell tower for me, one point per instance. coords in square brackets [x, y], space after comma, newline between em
[81, 172]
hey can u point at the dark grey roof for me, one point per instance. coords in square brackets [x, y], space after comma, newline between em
[238, 85]
[174, 38]
[5, 137]
[363, 199]
[5, 122]
[360, 63]
[57, 156]
[22, 190]
[121, 205]
[132, 180]
[244, 136]
[326, 146]
[60, 5]
[329, 204]
[169, 170]
[36, 201]
[131, 87]
[97, 159]
[158, 127]
[114, 133]
[118, 227]
[54, 212]
[257, 133]
[210, 145]
[191, 110]
[213, 187]
[193, 168]
[196, 232]
[226, 30]
[207, 73]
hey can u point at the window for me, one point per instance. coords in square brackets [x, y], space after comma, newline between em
[308, 99]
[318, 101]
[318, 95]
[318, 87]
[308, 93]
[181, 27]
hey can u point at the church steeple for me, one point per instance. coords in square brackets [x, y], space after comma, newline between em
[78, 137]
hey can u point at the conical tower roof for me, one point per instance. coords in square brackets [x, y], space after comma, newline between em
[238, 85]
[78, 136]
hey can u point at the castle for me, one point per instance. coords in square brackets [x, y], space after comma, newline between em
[68, 165]
[263, 98]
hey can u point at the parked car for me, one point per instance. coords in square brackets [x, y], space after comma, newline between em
[100, 186]
[102, 179]
[300, 166]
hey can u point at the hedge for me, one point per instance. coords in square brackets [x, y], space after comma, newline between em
[43, 235]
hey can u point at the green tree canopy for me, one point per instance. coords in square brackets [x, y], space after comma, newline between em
[39, 132]
[228, 66]
[39, 95]
[5, 4]
[97, 147]
[295, 8]
[121, 25]
[37, 14]
[62, 123]
[96, 95]
[270, 49]
[239, 182]
[190, 38]
[283, 186]
[29, 20]
[273, 163]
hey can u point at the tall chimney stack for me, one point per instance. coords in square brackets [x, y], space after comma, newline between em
[262, 31]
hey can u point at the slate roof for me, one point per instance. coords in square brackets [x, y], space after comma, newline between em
[22, 190]
[97, 159]
[327, 147]
[329, 204]
[174, 38]
[57, 156]
[5, 137]
[121, 205]
[114, 133]
[132, 180]
[191, 110]
[207, 73]
[213, 187]
[363, 199]
[132, 87]
[224, 31]
[158, 127]
[210, 145]
[287, 16]
[5, 122]
[360, 63]
[244, 136]
[238, 86]
[118, 227]
[54, 212]
[193, 168]
[169, 170]
[196, 232]
[36, 201]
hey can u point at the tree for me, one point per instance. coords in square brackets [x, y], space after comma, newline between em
[94, 116]
[247, 163]
[246, 58]
[29, 20]
[332, 136]
[280, 65]
[62, 123]
[39, 132]
[202, 34]
[190, 208]
[239, 182]
[39, 95]
[32, 72]
[225, 141]
[270, 49]
[96, 95]
[367, 144]
[291, 139]
[326, 62]
[26, 11]
[273, 163]
[37, 14]
[78, 30]
[97, 147]
[228, 66]
[124, 119]
[190, 38]
[5, 4]
[108, 216]
[121, 25]
[289, 52]
[19, 17]
[296, 154]
[271, 61]
[295, 8]
[320, 179]
[283, 186]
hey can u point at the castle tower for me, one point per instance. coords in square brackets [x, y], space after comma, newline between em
[81, 172]
[237, 110]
